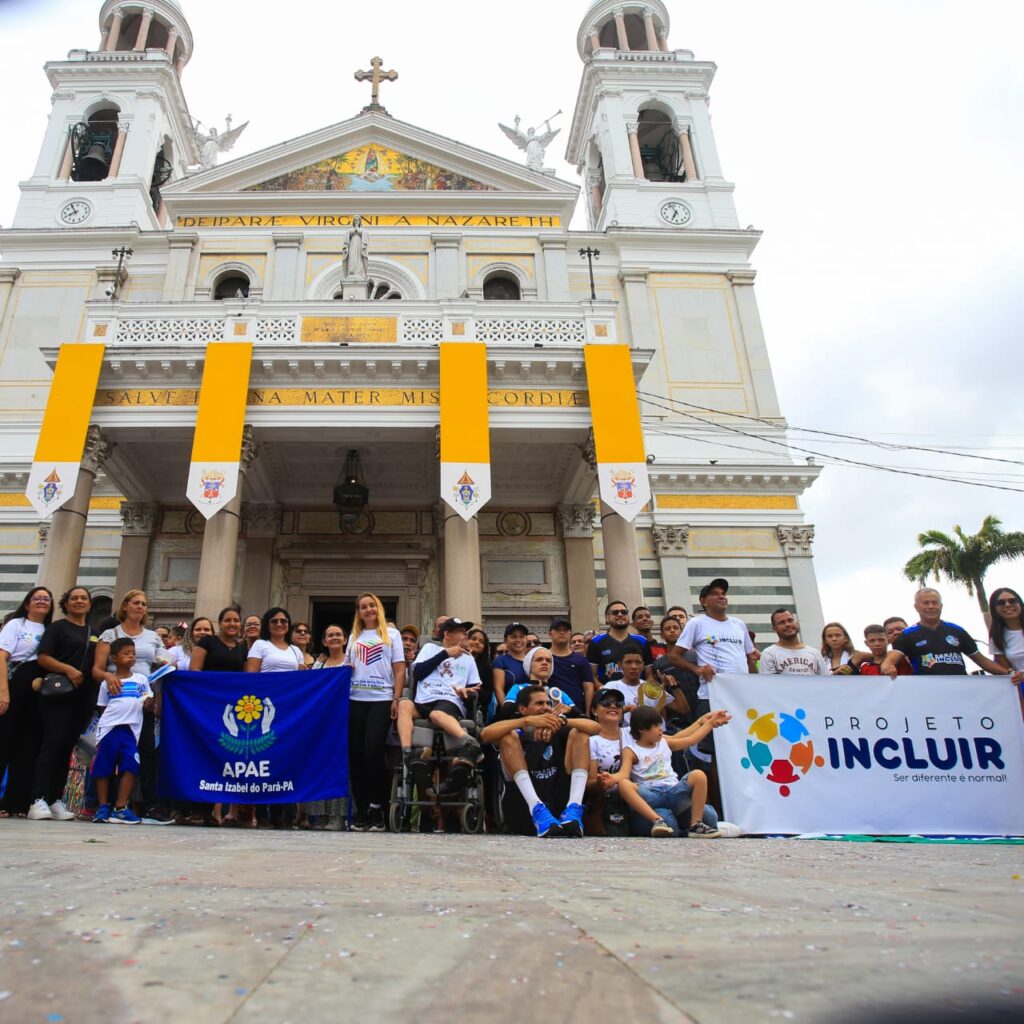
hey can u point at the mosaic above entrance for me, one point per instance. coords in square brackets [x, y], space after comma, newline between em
[371, 169]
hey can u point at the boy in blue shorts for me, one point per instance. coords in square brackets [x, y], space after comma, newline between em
[117, 735]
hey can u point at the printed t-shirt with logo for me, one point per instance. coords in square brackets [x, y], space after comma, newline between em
[20, 639]
[722, 644]
[788, 661]
[1012, 649]
[608, 753]
[125, 708]
[605, 652]
[545, 763]
[936, 652]
[562, 701]
[372, 658]
[442, 682]
[653, 765]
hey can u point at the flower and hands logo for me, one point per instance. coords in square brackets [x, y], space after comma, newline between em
[779, 746]
[249, 725]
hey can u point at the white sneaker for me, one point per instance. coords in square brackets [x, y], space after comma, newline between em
[39, 811]
[59, 812]
[729, 830]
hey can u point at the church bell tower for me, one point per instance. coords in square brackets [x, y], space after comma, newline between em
[119, 129]
[641, 134]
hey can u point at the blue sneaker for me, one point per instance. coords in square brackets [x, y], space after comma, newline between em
[545, 823]
[124, 817]
[572, 822]
[102, 815]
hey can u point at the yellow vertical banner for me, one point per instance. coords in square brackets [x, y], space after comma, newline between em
[54, 473]
[618, 431]
[465, 428]
[220, 421]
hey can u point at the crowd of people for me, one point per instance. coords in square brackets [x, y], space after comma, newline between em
[599, 732]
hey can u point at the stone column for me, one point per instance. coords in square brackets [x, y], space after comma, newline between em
[65, 165]
[621, 558]
[216, 586]
[179, 64]
[287, 250]
[595, 39]
[577, 522]
[143, 36]
[58, 569]
[114, 36]
[670, 545]
[596, 198]
[556, 268]
[689, 164]
[462, 581]
[634, 149]
[796, 544]
[172, 42]
[447, 251]
[179, 258]
[262, 528]
[663, 40]
[641, 325]
[138, 522]
[118, 154]
[620, 30]
[652, 36]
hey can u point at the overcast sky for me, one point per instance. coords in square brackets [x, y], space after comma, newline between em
[877, 144]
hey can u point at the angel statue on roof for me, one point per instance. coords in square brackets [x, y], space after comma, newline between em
[212, 143]
[535, 144]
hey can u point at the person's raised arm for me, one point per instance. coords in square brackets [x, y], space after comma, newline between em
[587, 726]
[422, 669]
[696, 732]
[498, 730]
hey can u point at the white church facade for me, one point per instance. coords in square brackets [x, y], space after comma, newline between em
[343, 264]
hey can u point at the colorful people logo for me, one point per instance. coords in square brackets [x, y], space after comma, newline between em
[782, 751]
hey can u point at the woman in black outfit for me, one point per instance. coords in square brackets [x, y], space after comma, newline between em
[67, 648]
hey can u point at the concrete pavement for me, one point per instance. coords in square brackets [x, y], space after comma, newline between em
[109, 923]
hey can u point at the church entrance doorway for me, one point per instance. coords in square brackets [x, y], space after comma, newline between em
[341, 611]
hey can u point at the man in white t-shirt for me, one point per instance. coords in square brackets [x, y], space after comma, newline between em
[791, 656]
[444, 673]
[720, 642]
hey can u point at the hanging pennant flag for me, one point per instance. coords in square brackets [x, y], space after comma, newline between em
[54, 473]
[465, 433]
[217, 448]
[618, 435]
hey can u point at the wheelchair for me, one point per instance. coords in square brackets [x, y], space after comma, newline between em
[468, 803]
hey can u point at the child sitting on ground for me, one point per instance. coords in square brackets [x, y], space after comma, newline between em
[117, 735]
[647, 781]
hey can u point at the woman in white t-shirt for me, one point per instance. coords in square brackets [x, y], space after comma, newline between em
[378, 679]
[838, 651]
[180, 655]
[19, 641]
[272, 652]
[1006, 637]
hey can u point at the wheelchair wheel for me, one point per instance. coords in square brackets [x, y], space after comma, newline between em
[471, 819]
[396, 808]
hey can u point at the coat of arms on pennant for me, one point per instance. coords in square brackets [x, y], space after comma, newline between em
[625, 484]
[467, 491]
[211, 482]
[51, 488]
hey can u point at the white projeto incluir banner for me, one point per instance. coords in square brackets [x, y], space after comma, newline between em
[841, 754]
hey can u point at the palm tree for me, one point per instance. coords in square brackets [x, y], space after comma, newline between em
[964, 558]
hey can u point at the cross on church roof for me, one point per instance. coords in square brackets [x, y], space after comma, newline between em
[377, 76]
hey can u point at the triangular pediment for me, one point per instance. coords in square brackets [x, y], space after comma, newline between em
[372, 168]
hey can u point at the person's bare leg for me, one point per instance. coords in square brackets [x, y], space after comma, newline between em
[124, 789]
[577, 752]
[446, 723]
[511, 751]
[635, 802]
[406, 716]
[698, 783]
[103, 790]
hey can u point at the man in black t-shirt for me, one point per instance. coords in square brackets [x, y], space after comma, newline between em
[934, 647]
[547, 760]
[604, 651]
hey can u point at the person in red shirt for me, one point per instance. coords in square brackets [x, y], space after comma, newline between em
[878, 644]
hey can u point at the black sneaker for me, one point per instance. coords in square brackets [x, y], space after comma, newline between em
[420, 772]
[456, 779]
[360, 822]
[375, 820]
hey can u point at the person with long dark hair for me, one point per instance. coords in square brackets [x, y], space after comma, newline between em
[1006, 635]
[67, 649]
[272, 652]
[329, 815]
[20, 728]
[302, 637]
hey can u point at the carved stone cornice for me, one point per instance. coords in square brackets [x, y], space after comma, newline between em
[262, 519]
[670, 540]
[588, 450]
[138, 518]
[576, 520]
[44, 536]
[796, 540]
[250, 450]
[97, 450]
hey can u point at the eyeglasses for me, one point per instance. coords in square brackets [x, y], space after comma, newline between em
[1005, 601]
[619, 611]
[611, 704]
[297, 630]
[279, 622]
[41, 599]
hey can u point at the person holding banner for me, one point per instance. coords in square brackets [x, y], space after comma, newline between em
[225, 652]
[181, 654]
[378, 678]
[272, 652]
[790, 656]
[19, 713]
[841, 657]
[329, 815]
[1006, 637]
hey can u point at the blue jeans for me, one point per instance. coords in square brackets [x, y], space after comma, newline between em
[672, 805]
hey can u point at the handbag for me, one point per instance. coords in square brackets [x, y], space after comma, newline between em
[56, 686]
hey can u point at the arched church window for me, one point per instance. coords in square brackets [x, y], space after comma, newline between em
[232, 286]
[92, 146]
[502, 288]
[660, 152]
[635, 32]
[609, 36]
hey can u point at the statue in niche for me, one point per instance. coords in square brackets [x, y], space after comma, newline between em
[530, 141]
[212, 143]
[356, 258]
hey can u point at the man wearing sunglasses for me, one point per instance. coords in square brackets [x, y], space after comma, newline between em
[605, 650]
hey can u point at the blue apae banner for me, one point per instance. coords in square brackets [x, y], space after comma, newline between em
[267, 738]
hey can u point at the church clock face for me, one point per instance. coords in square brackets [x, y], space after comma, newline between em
[75, 212]
[676, 213]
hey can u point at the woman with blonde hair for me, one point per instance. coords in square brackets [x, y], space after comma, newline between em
[378, 678]
[838, 651]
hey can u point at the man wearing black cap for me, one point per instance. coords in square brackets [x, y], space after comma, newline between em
[508, 667]
[604, 650]
[572, 673]
[720, 642]
[444, 673]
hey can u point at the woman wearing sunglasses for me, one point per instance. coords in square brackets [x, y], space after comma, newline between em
[1006, 636]
[272, 652]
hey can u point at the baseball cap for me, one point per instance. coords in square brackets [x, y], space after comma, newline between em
[723, 585]
[515, 627]
[558, 621]
[451, 625]
[410, 629]
[609, 696]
